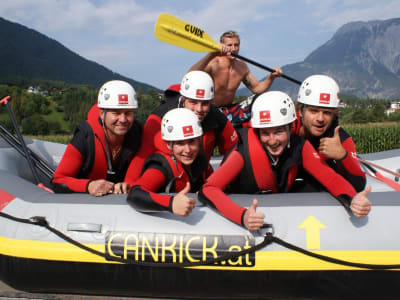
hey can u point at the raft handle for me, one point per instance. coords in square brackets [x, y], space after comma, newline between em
[84, 227]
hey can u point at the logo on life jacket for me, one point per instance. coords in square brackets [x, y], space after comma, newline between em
[265, 116]
[324, 98]
[194, 30]
[200, 93]
[123, 99]
[187, 131]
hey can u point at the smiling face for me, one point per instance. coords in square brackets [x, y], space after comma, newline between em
[316, 120]
[199, 107]
[185, 151]
[117, 121]
[274, 139]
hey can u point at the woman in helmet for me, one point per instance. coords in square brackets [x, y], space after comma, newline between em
[317, 108]
[267, 160]
[96, 159]
[178, 166]
[197, 92]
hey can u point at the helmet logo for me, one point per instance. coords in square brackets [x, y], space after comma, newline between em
[170, 128]
[308, 92]
[324, 98]
[265, 116]
[187, 131]
[123, 99]
[283, 111]
[200, 93]
[106, 96]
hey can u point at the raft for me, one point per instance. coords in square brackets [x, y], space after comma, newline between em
[77, 243]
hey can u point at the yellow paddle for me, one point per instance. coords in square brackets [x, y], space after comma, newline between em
[177, 32]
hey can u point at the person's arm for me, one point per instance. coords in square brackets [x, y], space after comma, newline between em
[204, 64]
[212, 190]
[334, 183]
[65, 177]
[147, 147]
[344, 154]
[227, 138]
[256, 86]
[145, 191]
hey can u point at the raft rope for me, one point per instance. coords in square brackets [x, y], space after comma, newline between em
[269, 238]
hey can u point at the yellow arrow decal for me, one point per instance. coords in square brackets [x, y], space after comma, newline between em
[312, 227]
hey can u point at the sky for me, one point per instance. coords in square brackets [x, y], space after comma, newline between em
[119, 34]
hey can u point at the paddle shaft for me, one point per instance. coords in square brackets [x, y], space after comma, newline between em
[24, 147]
[264, 67]
[379, 167]
[14, 142]
[393, 184]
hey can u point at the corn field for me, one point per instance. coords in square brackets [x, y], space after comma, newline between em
[375, 137]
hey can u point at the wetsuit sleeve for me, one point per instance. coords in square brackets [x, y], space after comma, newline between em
[145, 189]
[349, 166]
[65, 177]
[212, 190]
[332, 181]
[227, 138]
[147, 147]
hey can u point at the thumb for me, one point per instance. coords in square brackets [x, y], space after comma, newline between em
[336, 134]
[366, 191]
[253, 206]
[186, 189]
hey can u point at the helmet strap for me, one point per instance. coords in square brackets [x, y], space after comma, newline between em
[109, 163]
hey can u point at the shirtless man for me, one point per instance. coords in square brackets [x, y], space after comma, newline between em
[228, 72]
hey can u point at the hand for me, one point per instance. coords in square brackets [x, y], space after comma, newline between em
[332, 147]
[181, 204]
[121, 188]
[277, 73]
[360, 205]
[225, 50]
[253, 220]
[100, 187]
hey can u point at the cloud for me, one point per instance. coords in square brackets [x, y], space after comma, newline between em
[331, 14]
[117, 18]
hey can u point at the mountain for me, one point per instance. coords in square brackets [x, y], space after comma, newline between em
[28, 54]
[363, 57]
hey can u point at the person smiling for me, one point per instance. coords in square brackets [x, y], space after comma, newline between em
[97, 158]
[267, 160]
[196, 93]
[317, 108]
[178, 166]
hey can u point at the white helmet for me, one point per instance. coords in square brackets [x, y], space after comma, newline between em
[319, 90]
[197, 85]
[271, 109]
[180, 124]
[117, 94]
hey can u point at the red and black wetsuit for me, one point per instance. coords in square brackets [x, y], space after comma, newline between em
[162, 173]
[249, 170]
[85, 157]
[348, 166]
[217, 131]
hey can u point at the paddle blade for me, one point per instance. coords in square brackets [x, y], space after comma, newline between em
[177, 32]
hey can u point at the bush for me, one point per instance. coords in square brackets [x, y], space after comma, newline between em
[35, 124]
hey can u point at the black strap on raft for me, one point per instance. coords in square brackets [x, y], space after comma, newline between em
[269, 238]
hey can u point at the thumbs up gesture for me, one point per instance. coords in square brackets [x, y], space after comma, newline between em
[182, 205]
[360, 205]
[332, 147]
[252, 219]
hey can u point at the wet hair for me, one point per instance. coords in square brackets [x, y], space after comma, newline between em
[229, 34]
